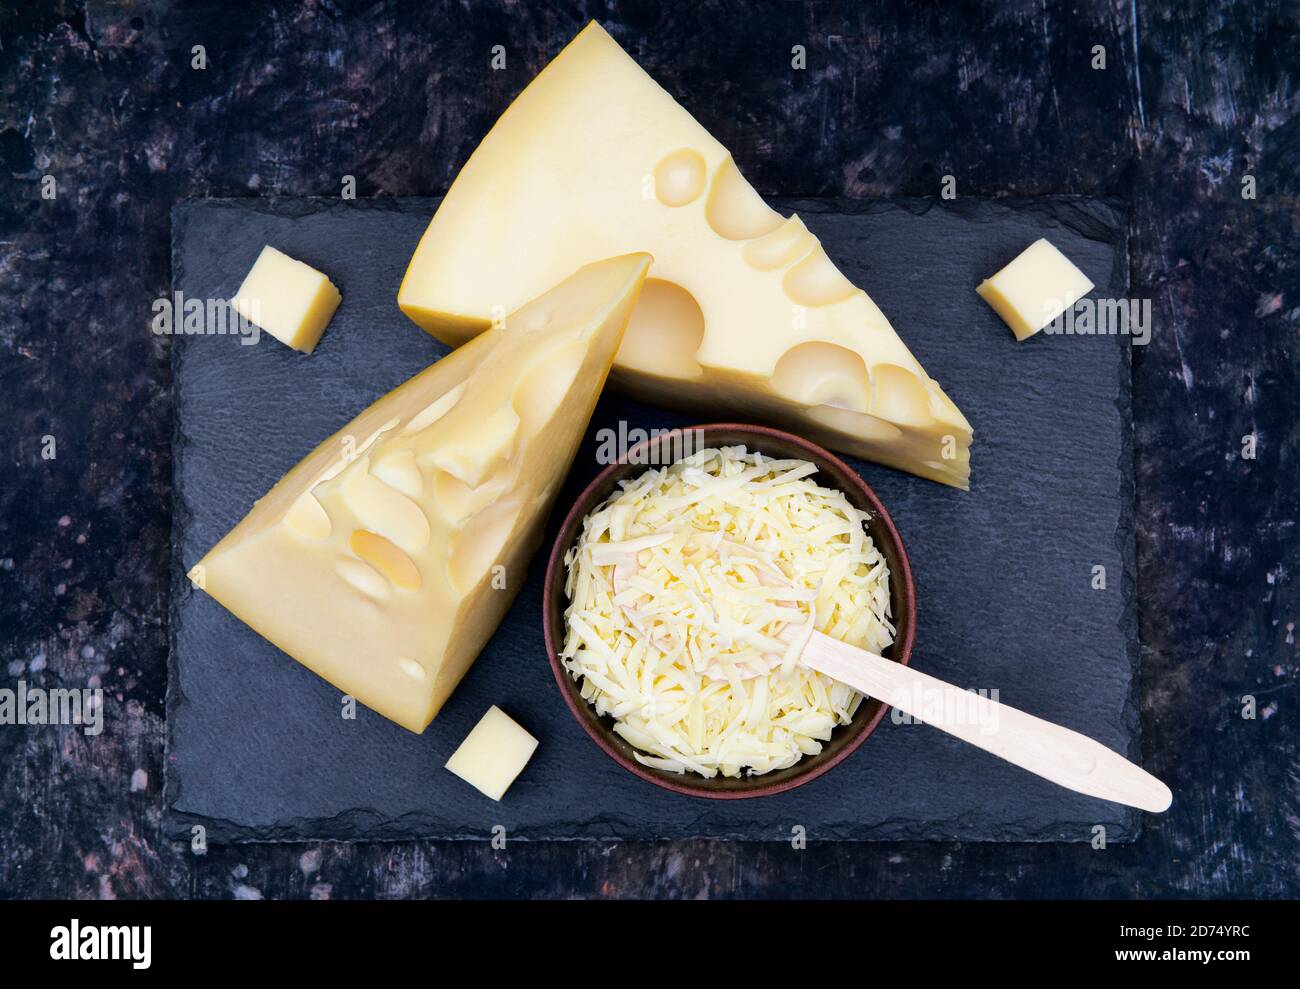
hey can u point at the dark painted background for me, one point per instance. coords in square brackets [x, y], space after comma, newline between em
[1194, 97]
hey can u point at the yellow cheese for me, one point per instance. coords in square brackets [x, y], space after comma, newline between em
[493, 754]
[387, 557]
[1035, 288]
[743, 311]
[292, 301]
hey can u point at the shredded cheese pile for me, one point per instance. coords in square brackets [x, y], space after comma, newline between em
[680, 587]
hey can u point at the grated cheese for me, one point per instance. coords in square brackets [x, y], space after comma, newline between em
[679, 587]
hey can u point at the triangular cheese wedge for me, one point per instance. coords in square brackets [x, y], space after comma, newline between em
[387, 557]
[743, 312]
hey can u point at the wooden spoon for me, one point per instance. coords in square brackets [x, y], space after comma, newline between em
[1063, 756]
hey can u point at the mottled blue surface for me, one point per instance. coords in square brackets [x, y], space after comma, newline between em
[1193, 99]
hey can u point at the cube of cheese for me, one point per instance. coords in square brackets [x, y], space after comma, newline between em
[493, 754]
[743, 311]
[292, 301]
[1035, 288]
[388, 556]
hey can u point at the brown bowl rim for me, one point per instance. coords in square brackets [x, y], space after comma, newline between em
[902, 648]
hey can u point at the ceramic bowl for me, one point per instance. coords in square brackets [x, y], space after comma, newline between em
[831, 472]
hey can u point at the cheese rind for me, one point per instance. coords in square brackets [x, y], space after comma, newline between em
[291, 300]
[374, 561]
[1034, 289]
[493, 754]
[744, 312]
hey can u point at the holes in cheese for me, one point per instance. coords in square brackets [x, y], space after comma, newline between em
[308, 518]
[411, 668]
[399, 470]
[390, 561]
[478, 546]
[385, 510]
[569, 158]
[866, 426]
[474, 453]
[781, 248]
[680, 177]
[815, 281]
[820, 373]
[735, 211]
[434, 411]
[461, 477]
[544, 385]
[457, 501]
[899, 396]
[349, 453]
[664, 332]
[364, 578]
[373, 438]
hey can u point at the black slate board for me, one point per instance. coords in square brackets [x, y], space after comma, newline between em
[257, 749]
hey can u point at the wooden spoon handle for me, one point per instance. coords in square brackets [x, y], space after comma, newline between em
[1051, 751]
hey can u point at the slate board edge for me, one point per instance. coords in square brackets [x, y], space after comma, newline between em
[178, 583]
[178, 824]
[1126, 532]
[1126, 537]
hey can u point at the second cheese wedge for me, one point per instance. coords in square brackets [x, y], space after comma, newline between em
[387, 557]
[742, 312]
